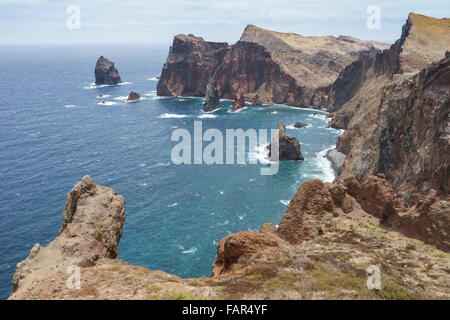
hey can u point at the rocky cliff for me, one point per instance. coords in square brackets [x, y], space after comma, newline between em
[268, 66]
[327, 239]
[105, 72]
[396, 115]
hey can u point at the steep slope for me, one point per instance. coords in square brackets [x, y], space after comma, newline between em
[277, 67]
[395, 115]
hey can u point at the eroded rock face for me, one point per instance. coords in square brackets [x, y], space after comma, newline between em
[301, 220]
[288, 146]
[91, 229]
[243, 245]
[265, 66]
[189, 66]
[133, 96]
[105, 72]
[239, 103]
[212, 101]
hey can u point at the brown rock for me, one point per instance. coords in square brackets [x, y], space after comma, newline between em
[262, 63]
[377, 197]
[105, 72]
[242, 245]
[239, 103]
[133, 96]
[91, 229]
[288, 146]
[303, 219]
[268, 228]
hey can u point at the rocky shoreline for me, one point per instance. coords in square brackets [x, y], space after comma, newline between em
[388, 207]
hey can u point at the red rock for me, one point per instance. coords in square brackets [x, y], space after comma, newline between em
[133, 96]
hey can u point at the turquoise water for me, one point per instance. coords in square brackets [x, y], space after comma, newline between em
[54, 131]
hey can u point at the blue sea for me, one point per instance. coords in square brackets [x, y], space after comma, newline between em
[54, 129]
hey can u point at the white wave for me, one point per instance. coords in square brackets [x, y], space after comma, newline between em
[241, 217]
[172, 205]
[161, 164]
[106, 103]
[190, 251]
[153, 79]
[172, 115]
[285, 202]
[321, 116]
[124, 83]
[221, 192]
[102, 96]
[150, 93]
[260, 153]
[236, 111]
[69, 106]
[204, 116]
[224, 223]
[325, 164]
[121, 98]
[144, 184]
[142, 164]
[338, 131]
[95, 86]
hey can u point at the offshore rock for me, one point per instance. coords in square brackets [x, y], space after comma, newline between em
[288, 146]
[105, 72]
[212, 101]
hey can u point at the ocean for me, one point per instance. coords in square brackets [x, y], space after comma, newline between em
[54, 129]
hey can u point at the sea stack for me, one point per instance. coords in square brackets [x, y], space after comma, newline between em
[289, 147]
[212, 101]
[133, 96]
[105, 72]
[239, 103]
[300, 125]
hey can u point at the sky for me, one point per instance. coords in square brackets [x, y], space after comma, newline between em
[157, 21]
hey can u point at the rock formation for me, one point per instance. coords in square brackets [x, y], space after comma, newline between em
[133, 96]
[105, 72]
[288, 146]
[300, 125]
[275, 67]
[329, 235]
[91, 229]
[396, 117]
[212, 101]
[239, 103]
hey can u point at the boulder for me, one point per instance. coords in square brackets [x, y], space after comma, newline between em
[105, 72]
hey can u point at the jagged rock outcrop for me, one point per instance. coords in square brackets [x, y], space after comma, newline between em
[288, 146]
[239, 103]
[91, 228]
[212, 101]
[189, 66]
[265, 66]
[105, 72]
[133, 96]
